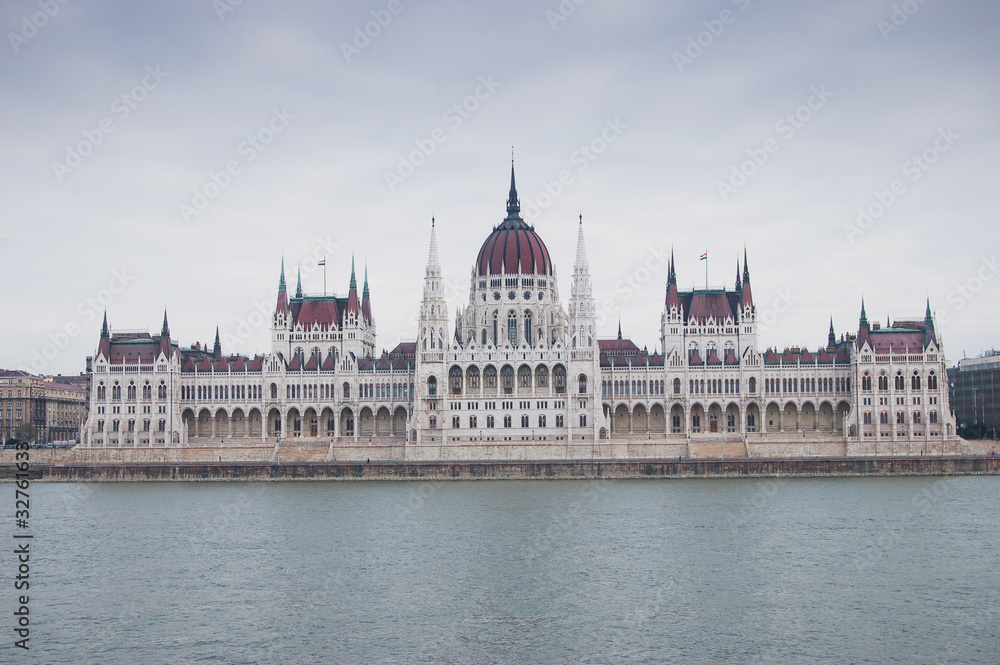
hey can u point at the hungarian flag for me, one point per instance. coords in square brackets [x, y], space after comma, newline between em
[704, 257]
[322, 263]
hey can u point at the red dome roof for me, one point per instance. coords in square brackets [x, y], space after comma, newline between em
[513, 248]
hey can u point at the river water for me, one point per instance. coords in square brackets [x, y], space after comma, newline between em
[891, 570]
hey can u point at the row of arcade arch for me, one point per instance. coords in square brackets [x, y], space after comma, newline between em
[295, 423]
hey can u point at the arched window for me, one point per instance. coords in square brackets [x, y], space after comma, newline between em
[524, 377]
[883, 382]
[915, 381]
[559, 378]
[932, 381]
[161, 391]
[512, 328]
[472, 375]
[677, 386]
[432, 386]
[455, 380]
[583, 384]
[496, 319]
[527, 328]
[131, 392]
[752, 384]
[147, 392]
[102, 392]
[866, 383]
[507, 378]
[347, 390]
[900, 382]
[490, 377]
[541, 376]
[116, 393]
[484, 336]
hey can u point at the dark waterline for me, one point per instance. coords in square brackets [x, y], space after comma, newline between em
[888, 570]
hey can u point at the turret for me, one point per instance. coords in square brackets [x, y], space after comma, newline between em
[366, 306]
[352, 296]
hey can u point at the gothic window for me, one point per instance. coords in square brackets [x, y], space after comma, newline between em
[490, 377]
[677, 386]
[484, 336]
[583, 383]
[542, 377]
[883, 382]
[583, 420]
[455, 380]
[932, 382]
[102, 392]
[507, 378]
[915, 381]
[524, 377]
[900, 382]
[559, 421]
[473, 377]
[432, 386]
[527, 328]
[933, 417]
[147, 392]
[512, 328]
[883, 418]
[524, 421]
[496, 318]
[752, 385]
[559, 378]
[116, 393]
[866, 383]
[541, 420]
[131, 392]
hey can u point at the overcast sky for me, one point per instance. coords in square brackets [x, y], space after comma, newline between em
[698, 126]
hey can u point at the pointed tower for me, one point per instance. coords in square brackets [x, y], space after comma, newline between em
[513, 203]
[585, 412]
[298, 284]
[165, 337]
[352, 296]
[366, 305]
[217, 348]
[104, 347]
[747, 311]
[582, 308]
[672, 320]
[739, 284]
[281, 324]
[831, 338]
[619, 330]
[430, 416]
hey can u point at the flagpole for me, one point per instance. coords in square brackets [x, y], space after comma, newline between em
[706, 270]
[324, 276]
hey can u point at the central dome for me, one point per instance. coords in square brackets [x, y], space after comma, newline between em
[513, 248]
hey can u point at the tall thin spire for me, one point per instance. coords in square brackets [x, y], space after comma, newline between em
[739, 285]
[217, 349]
[864, 317]
[928, 317]
[298, 285]
[354, 280]
[581, 265]
[831, 338]
[281, 281]
[433, 264]
[352, 296]
[165, 329]
[619, 328]
[672, 274]
[105, 334]
[746, 266]
[366, 306]
[513, 204]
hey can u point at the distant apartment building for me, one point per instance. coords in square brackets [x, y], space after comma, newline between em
[35, 409]
[973, 387]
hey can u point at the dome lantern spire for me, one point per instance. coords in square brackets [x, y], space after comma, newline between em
[513, 204]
